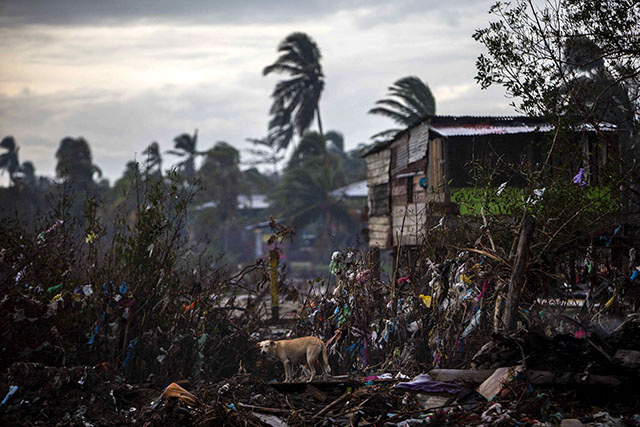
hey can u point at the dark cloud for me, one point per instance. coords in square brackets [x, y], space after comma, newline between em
[83, 12]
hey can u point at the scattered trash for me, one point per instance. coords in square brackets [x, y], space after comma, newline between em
[426, 384]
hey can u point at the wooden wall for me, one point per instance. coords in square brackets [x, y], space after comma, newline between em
[380, 231]
[378, 165]
[378, 168]
[409, 223]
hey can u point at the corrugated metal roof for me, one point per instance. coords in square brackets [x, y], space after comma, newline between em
[256, 201]
[356, 189]
[486, 129]
[483, 125]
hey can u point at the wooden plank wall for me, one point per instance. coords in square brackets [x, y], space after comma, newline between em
[436, 165]
[378, 168]
[378, 165]
[414, 218]
[379, 231]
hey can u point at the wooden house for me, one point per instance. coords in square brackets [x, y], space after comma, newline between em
[410, 177]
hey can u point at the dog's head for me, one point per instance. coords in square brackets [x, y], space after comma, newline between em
[267, 347]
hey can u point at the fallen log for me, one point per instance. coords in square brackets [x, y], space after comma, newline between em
[463, 375]
[531, 376]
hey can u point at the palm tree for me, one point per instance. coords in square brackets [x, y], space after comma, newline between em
[337, 141]
[222, 179]
[153, 163]
[296, 101]
[9, 159]
[75, 162]
[185, 145]
[312, 145]
[409, 100]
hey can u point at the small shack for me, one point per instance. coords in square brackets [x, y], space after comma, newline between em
[411, 176]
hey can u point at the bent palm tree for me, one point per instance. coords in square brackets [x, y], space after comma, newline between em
[409, 100]
[153, 162]
[295, 101]
[9, 159]
[185, 145]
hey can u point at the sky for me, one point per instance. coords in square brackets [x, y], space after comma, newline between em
[123, 74]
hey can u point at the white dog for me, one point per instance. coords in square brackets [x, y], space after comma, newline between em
[298, 350]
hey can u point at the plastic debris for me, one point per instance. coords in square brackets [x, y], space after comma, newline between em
[12, 390]
[580, 178]
[426, 300]
[52, 289]
[425, 383]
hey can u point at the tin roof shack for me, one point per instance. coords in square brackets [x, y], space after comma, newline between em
[410, 178]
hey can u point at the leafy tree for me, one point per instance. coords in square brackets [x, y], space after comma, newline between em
[578, 60]
[75, 162]
[9, 160]
[409, 100]
[574, 62]
[296, 100]
[185, 146]
[153, 160]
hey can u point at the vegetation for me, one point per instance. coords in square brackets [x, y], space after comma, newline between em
[577, 62]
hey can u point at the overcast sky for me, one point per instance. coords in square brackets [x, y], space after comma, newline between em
[123, 74]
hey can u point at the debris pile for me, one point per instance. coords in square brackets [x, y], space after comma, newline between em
[425, 345]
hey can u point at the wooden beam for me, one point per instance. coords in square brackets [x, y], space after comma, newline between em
[517, 275]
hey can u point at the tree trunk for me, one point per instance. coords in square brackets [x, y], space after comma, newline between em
[274, 259]
[319, 121]
[517, 275]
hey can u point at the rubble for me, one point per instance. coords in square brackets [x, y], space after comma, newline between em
[423, 348]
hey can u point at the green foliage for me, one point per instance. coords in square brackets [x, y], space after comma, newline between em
[121, 294]
[578, 59]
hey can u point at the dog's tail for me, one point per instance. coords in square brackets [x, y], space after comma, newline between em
[325, 359]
